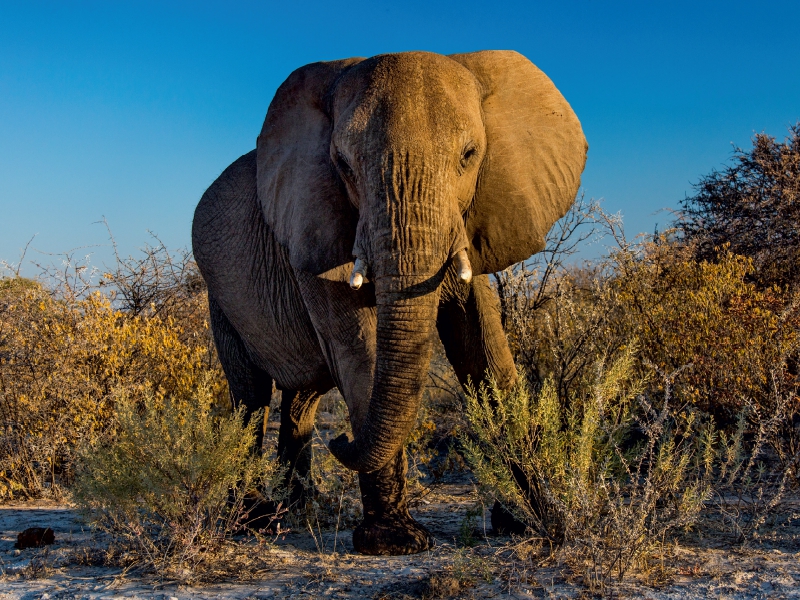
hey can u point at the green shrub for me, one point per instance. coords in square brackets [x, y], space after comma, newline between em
[603, 476]
[169, 481]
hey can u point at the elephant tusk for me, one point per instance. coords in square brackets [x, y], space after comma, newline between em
[463, 267]
[359, 272]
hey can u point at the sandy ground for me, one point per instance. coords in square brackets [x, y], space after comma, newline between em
[306, 566]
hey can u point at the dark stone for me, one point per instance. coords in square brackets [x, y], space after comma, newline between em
[35, 537]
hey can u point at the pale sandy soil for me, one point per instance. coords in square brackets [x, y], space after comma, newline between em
[300, 567]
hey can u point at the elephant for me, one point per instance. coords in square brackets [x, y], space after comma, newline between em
[382, 194]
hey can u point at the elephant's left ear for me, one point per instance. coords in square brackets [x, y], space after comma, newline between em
[535, 155]
[304, 201]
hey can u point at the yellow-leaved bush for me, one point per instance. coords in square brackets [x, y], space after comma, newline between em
[735, 341]
[62, 357]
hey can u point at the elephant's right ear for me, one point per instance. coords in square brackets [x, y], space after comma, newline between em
[535, 153]
[304, 201]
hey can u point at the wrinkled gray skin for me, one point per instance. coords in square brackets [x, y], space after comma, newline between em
[401, 160]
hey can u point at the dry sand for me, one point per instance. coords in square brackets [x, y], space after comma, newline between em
[301, 566]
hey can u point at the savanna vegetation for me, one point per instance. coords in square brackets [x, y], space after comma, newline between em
[658, 391]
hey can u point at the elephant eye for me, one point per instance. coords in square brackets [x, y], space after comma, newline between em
[343, 167]
[469, 152]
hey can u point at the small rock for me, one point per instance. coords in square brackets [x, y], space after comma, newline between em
[35, 537]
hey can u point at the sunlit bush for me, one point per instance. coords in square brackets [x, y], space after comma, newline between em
[735, 340]
[64, 348]
[169, 480]
[572, 473]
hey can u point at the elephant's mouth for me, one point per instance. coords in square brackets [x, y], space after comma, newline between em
[460, 260]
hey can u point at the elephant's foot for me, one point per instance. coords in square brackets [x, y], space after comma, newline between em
[391, 535]
[387, 528]
[260, 514]
[505, 523]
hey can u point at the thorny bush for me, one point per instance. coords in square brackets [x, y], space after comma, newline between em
[604, 479]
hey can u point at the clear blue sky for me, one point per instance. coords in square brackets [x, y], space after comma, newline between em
[129, 110]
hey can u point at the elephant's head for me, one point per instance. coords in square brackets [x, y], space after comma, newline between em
[403, 162]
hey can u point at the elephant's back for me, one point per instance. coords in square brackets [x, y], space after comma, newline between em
[224, 206]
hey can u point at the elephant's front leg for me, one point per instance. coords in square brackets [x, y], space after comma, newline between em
[294, 441]
[472, 334]
[346, 322]
[388, 528]
[476, 345]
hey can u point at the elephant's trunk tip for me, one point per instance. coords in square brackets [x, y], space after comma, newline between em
[463, 266]
[359, 274]
[345, 449]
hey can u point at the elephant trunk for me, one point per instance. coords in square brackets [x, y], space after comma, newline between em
[404, 345]
[410, 244]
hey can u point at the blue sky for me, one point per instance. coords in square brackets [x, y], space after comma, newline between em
[129, 111]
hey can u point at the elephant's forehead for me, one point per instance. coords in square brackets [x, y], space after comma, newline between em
[403, 93]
